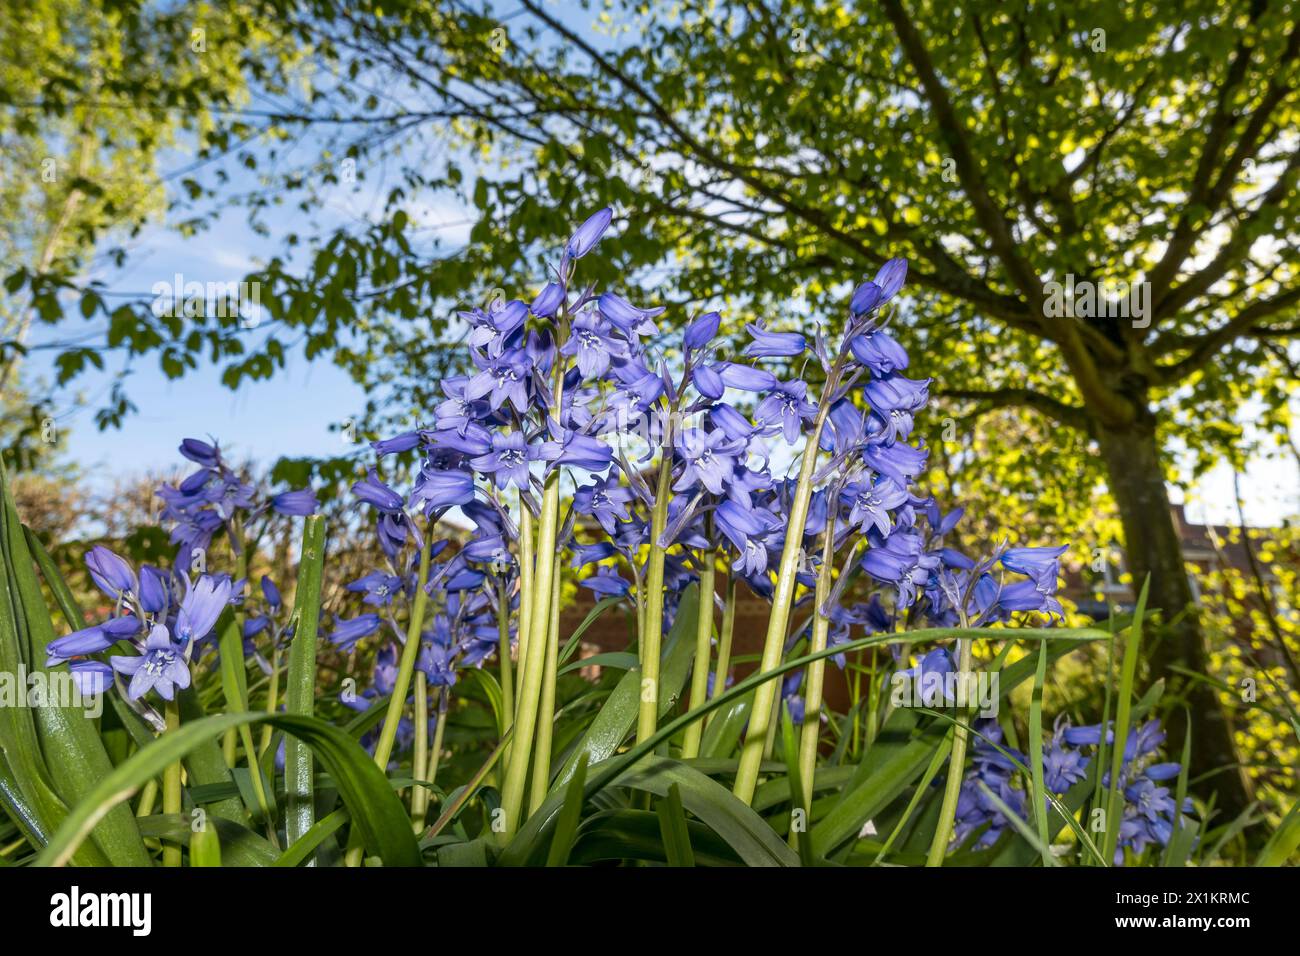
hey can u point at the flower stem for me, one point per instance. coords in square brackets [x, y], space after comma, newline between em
[272, 698]
[751, 754]
[703, 651]
[420, 753]
[503, 654]
[724, 643]
[534, 659]
[647, 717]
[406, 667]
[812, 705]
[526, 569]
[435, 748]
[956, 769]
[541, 780]
[171, 787]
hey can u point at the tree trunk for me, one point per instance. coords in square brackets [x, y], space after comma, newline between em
[1152, 547]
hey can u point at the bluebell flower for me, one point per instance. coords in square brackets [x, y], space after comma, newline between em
[871, 501]
[878, 351]
[201, 453]
[91, 640]
[626, 317]
[773, 344]
[585, 452]
[788, 406]
[1042, 565]
[503, 378]
[163, 667]
[200, 608]
[378, 588]
[588, 234]
[865, 298]
[897, 460]
[890, 278]
[374, 492]
[606, 582]
[111, 574]
[710, 458]
[548, 301]
[398, 443]
[270, 592]
[701, 330]
[155, 590]
[903, 562]
[436, 661]
[747, 529]
[592, 343]
[605, 500]
[438, 488]
[295, 504]
[747, 378]
[707, 381]
[90, 677]
[507, 462]
[1062, 766]
[347, 633]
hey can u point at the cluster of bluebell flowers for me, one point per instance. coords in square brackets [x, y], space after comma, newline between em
[1150, 812]
[166, 616]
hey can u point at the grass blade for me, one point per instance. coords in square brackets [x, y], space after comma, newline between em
[300, 681]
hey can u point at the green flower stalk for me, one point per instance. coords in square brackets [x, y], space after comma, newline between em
[406, 666]
[647, 717]
[751, 754]
[534, 657]
[420, 753]
[810, 733]
[724, 643]
[503, 653]
[171, 800]
[956, 770]
[541, 778]
[703, 651]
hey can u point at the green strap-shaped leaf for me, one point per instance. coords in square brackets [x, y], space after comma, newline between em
[300, 680]
[377, 813]
[68, 756]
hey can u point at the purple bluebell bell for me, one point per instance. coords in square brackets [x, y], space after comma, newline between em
[374, 492]
[111, 574]
[878, 351]
[593, 344]
[201, 607]
[701, 330]
[710, 457]
[201, 453]
[503, 378]
[397, 444]
[606, 582]
[588, 234]
[91, 640]
[773, 344]
[155, 590]
[347, 633]
[548, 301]
[788, 406]
[295, 504]
[163, 667]
[626, 317]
